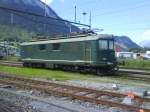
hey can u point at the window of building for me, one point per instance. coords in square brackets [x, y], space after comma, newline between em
[103, 44]
[42, 47]
[56, 46]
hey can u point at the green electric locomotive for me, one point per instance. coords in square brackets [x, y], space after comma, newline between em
[83, 52]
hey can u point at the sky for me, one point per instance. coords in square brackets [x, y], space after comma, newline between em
[117, 17]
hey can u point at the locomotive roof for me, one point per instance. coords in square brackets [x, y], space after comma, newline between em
[75, 39]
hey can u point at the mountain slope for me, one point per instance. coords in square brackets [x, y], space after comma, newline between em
[32, 23]
[125, 43]
[34, 6]
[145, 43]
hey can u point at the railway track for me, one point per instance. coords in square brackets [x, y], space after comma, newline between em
[132, 73]
[135, 74]
[79, 93]
[8, 107]
[11, 63]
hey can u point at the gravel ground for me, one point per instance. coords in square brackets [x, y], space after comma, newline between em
[30, 103]
[6, 106]
[109, 86]
[121, 88]
[34, 101]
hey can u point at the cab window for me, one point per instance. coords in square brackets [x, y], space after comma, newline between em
[111, 44]
[42, 47]
[56, 46]
[103, 44]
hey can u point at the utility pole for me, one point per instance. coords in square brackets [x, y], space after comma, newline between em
[75, 15]
[90, 20]
[5, 49]
[84, 16]
[45, 14]
[70, 29]
[12, 18]
[45, 9]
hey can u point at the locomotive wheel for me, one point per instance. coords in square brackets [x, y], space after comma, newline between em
[26, 64]
[99, 72]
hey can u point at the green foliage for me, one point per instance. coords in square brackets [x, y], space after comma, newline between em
[139, 50]
[42, 73]
[145, 64]
[12, 33]
[11, 58]
[63, 76]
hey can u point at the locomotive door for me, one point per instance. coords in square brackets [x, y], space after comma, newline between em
[87, 51]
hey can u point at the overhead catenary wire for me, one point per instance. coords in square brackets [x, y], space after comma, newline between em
[118, 24]
[36, 21]
[129, 29]
[38, 15]
[43, 21]
[123, 10]
[51, 18]
[133, 5]
[98, 9]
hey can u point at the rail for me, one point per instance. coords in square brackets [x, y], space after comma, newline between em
[79, 93]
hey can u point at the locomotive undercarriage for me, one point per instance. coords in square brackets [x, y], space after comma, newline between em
[104, 70]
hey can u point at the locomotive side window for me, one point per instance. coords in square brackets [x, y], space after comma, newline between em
[111, 44]
[56, 46]
[103, 44]
[42, 47]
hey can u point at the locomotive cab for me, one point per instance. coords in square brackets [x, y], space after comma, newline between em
[106, 53]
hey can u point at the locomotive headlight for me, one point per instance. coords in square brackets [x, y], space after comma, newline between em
[109, 63]
[104, 59]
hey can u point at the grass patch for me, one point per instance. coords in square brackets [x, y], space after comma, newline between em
[136, 68]
[11, 58]
[137, 64]
[42, 73]
[63, 76]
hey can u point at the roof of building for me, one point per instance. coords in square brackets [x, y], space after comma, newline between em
[75, 39]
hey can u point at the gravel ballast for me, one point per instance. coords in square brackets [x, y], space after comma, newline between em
[31, 103]
[35, 101]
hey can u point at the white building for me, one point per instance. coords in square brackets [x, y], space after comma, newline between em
[147, 55]
[131, 55]
[124, 55]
